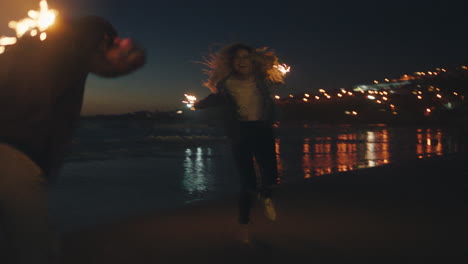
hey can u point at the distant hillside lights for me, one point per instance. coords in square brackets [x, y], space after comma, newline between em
[384, 95]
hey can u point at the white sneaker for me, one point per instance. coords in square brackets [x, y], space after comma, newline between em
[244, 234]
[269, 209]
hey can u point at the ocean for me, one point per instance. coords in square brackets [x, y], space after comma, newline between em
[118, 169]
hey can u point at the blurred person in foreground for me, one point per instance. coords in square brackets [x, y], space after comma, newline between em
[241, 79]
[41, 93]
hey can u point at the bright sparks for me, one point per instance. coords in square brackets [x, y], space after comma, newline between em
[5, 41]
[190, 101]
[283, 68]
[37, 22]
[40, 20]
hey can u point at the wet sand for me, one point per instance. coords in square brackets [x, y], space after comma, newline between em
[413, 210]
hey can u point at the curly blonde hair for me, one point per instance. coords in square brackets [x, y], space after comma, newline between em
[219, 65]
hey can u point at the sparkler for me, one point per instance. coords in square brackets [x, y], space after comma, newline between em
[37, 22]
[283, 68]
[190, 101]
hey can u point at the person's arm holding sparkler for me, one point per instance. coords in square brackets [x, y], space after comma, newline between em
[111, 56]
[120, 58]
[212, 100]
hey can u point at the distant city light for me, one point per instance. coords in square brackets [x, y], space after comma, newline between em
[305, 99]
[371, 97]
[277, 97]
[307, 95]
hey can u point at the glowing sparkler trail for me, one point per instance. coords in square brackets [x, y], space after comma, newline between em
[283, 68]
[36, 22]
[5, 41]
[190, 101]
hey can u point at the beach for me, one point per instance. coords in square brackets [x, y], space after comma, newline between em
[411, 211]
[345, 193]
[119, 170]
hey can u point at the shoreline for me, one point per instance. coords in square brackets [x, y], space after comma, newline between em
[353, 215]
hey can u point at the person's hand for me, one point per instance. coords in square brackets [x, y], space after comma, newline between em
[124, 54]
[121, 57]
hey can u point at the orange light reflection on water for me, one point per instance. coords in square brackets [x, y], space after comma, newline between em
[279, 163]
[346, 153]
[349, 151]
[306, 161]
[429, 143]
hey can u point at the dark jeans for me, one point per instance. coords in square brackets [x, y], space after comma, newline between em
[255, 141]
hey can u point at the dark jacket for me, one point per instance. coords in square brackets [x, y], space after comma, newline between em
[225, 100]
[41, 89]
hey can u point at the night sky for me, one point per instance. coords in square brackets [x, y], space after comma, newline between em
[329, 44]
